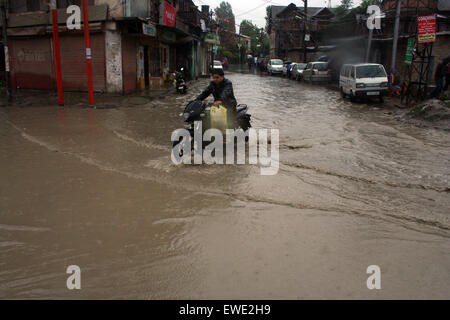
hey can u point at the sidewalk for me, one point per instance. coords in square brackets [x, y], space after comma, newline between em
[430, 113]
[37, 98]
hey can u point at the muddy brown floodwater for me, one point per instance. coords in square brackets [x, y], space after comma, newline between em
[97, 189]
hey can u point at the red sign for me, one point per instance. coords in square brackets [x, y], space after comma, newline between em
[426, 31]
[170, 14]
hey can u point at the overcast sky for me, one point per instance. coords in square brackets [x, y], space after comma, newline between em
[255, 10]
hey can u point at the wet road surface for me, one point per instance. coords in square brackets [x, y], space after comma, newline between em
[97, 189]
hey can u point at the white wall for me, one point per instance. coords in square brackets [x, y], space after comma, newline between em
[113, 45]
[115, 7]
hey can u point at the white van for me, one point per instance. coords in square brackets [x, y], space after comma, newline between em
[363, 80]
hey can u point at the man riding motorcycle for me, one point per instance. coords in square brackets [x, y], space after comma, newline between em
[221, 89]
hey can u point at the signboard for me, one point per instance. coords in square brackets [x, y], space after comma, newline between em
[409, 51]
[426, 28]
[203, 25]
[170, 13]
[212, 38]
[149, 29]
[167, 36]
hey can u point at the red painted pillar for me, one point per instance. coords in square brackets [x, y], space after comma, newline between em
[57, 51]
[87, 41]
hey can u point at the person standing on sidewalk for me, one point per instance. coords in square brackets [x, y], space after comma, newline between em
[439, 74]
[447, 79]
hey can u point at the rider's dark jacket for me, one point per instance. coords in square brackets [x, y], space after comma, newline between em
[223, 92]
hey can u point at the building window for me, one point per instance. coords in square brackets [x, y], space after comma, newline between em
[18, 6]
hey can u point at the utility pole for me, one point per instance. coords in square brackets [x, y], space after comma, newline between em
[57, 52]
[6, 50]
[262, 42]
[212, 46]
[87, 41]
[304, 29]
[369, 44]
[396, 26]
[239, 46]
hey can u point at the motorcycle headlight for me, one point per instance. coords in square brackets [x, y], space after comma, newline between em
[384, 84]
[360, 85]
[186, 116]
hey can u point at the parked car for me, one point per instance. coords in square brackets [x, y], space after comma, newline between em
[275, 66]
[363, 80]
[297, 70]
[316, 72]
[217, 65]
[285, 67]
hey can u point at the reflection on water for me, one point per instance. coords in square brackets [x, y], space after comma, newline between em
[97, 188]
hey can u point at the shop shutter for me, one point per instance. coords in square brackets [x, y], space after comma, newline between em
[31, 63]
[73, 61]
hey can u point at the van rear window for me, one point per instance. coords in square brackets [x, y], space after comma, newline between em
[370, 72]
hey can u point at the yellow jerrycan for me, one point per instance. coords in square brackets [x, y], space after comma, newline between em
[218, 116]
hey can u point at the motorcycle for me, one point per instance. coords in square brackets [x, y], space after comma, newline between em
[212, 116]
[180, 82]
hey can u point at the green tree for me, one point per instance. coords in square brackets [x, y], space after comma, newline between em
[344, 24]
[268, 17]
[347, 4]
[362, 8]
[251, 30]
[343, 9]
[248, 28]
[227, 27]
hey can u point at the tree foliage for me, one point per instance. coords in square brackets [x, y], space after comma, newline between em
[347, 4]
[251, 30]
[259, 38]
[362, 8]
[344, 24]
[227, 27]
[268, 17]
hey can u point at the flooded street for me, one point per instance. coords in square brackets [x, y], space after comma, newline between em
[98, 189]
